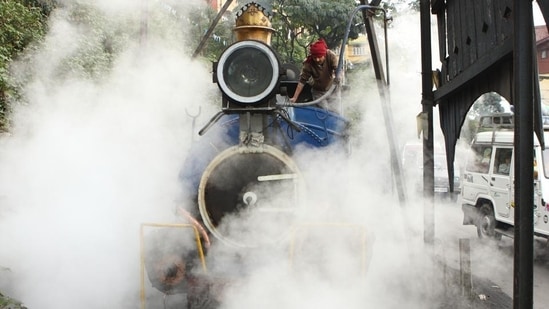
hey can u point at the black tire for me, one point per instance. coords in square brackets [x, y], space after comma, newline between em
[486, 222]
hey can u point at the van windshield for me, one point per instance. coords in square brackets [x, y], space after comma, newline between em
[478, 160]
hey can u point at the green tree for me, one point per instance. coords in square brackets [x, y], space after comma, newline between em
[8, 302]
[45, 6]
[221, 37]
[397, 7]
[99, 39]
[300, 22]
[486, 104]
[22, 24]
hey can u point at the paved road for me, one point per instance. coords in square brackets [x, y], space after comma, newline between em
[492, 263]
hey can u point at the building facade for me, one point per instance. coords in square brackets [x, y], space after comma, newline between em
[542, 49]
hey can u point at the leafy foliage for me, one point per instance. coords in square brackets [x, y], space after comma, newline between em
[99, 39]
[7, 302]
[300, 22]
[22, 24]
[396, 7]
[486, 104]
[199, 22]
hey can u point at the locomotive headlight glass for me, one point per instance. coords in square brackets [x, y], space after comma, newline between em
[248, 72]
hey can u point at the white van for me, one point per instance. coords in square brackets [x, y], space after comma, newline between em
[487, 191]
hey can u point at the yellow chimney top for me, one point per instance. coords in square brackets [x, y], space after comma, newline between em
[253, 23]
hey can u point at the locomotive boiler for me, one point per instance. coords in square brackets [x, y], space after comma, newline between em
[241, 172]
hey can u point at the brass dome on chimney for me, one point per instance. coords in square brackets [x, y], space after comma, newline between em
[253, 23]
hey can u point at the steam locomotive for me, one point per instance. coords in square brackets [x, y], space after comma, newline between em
[241, 172]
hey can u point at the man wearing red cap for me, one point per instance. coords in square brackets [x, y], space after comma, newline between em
[318, 70]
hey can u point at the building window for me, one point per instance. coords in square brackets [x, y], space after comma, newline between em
[544, 54]
[359, 50]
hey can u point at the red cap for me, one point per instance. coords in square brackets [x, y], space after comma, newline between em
[318, 48]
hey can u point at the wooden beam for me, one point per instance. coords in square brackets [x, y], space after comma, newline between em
[438, 6]
[497, 54]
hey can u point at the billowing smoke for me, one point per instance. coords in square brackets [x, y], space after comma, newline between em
[90, 159]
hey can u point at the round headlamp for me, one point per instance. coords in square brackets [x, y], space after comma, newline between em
[248, 72]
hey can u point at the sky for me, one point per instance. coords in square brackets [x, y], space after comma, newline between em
[538, 17]
[87, 162]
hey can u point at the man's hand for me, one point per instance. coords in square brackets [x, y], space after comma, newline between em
[297, 92]
[337, 81]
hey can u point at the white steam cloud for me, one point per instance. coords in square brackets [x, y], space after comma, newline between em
[88, 161]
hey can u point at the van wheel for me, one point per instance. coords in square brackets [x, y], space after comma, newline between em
[486, 223]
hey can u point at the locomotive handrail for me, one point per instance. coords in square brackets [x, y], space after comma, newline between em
[211, 122]
[220, 114]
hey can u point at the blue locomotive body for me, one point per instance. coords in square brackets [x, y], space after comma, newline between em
[311, 127]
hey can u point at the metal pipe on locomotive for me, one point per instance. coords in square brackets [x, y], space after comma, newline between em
[243, 163]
